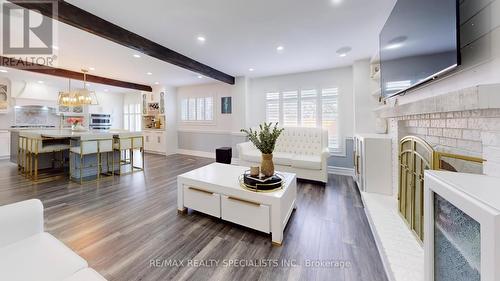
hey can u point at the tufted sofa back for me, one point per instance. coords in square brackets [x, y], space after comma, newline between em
[302, 141]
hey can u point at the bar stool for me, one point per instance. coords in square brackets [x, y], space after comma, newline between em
[21, 154]
[106, 146]
[128, 142]
[89, 147]
[33, 147]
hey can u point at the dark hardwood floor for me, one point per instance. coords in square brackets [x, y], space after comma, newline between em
[128, 228]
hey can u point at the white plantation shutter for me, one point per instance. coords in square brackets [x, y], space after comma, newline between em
[209, 109]
[200, 109]
[184, 110]
[309, 108]
[329, 111]
[273, 107]
[192, 109]
[290, 109]
[132, 117]
[197, 109]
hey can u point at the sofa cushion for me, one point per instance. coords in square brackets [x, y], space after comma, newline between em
[40, 257]
[252, 156]
[311, 162]
[87, 274]
[282, 158]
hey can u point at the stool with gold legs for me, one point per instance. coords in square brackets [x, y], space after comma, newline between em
[88, 154]
[126, 144]
[21, 154]
[34, 146]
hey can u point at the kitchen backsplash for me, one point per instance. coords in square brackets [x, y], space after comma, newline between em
[35, 115]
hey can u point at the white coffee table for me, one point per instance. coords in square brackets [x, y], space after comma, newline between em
[215, 190]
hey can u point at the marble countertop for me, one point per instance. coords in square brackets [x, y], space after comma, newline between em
[86, 135]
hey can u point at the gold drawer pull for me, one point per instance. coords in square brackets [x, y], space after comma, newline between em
[200, 190]
[243, 201]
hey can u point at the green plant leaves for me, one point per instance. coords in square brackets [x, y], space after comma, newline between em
[265, 139]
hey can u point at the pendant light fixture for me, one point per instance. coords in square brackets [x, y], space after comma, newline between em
[78, 97]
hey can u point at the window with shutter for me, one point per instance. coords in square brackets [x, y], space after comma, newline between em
[310, 108]
[290, 109]
[197, 109]
[329, 109]
[273, 107]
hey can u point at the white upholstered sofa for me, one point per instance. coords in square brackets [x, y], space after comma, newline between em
[303, 151]
[28, 253]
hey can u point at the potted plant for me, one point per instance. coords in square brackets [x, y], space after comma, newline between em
[265, 140]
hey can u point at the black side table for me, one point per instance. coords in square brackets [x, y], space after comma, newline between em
[223, 155]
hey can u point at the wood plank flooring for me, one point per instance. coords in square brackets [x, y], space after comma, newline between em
[128, 228]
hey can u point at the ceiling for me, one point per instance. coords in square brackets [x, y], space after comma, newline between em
[240, 35]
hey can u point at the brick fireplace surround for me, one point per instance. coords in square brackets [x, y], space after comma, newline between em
[465, 122]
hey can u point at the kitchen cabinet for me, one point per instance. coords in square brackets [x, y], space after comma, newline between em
[155, 141]
[4, 144]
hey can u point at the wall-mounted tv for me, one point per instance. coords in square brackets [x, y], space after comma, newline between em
[419, 42]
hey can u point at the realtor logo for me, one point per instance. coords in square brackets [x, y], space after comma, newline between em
[26, 33]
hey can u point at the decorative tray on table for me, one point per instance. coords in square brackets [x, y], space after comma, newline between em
[261, 183]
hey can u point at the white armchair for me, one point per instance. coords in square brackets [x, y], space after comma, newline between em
[29, 253]
[303, 151]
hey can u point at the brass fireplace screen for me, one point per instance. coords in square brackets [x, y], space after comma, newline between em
[416, 156]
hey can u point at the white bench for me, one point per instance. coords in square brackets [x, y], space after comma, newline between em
[302, 151]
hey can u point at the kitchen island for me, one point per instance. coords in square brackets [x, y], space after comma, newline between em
[85, 154]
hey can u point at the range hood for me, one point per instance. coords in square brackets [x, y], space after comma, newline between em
[23, 102]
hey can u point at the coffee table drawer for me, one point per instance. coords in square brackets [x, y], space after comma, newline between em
[246, 213]
[202, 200]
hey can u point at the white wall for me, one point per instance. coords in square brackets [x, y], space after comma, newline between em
[222, 122]
[110, 103]
[364, 101]
[480, 47]
[337, 77]
[171, 126]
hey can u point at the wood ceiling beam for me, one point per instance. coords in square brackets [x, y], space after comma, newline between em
[81, 19]
[22, 65]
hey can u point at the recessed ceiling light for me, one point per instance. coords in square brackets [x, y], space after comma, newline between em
[200, 76]
[55, 47]
[337, 2]
[40, 82]
[280, 48]
[157, 83]
[201, 39]
[149, 73]
[251, 69]
[342, 52]
[136, 56]
[92, 68]
[3, 70]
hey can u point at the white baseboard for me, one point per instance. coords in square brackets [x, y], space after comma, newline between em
[341, 171]
[205, 154]
[155, 152]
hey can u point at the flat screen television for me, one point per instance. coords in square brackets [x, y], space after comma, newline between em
[418, 43]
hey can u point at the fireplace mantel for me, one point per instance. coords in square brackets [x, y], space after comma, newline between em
[472, 98]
